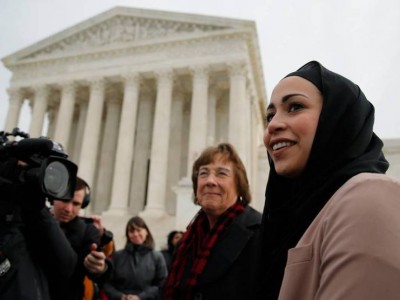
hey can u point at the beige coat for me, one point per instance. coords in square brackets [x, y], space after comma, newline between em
[352, 248]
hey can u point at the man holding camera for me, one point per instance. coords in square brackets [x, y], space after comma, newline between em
[33, 247]
[40, 258]
[84, 238]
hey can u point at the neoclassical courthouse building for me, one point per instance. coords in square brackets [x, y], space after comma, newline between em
[134, 95]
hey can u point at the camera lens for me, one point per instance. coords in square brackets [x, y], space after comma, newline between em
[56, 179]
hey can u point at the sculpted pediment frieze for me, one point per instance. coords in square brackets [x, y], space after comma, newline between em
[121, 29]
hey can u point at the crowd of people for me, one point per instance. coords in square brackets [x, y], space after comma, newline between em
[330, 228]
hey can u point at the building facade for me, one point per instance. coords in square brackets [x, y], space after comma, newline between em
[134, 96]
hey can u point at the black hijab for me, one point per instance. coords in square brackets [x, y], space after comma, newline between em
[344, 145]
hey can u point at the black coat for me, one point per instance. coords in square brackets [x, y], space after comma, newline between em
[81, 236]
[33, 248]
[36, 250]
[229, 272]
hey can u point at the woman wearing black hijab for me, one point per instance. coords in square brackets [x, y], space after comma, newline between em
[331, 223]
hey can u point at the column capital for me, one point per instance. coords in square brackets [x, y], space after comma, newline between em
[237, 68]
[165, 78]
[15, 93]
[69, 86]
[97, 83]
[131, 78]
[200, 71]
[41, 90]
[163, 74]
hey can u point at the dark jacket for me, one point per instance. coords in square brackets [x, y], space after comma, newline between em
[229, 271]
[81, 236]
[167, 257]
[35, 249]
[138, 270]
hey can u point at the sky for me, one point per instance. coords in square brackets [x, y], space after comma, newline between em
[359, 39]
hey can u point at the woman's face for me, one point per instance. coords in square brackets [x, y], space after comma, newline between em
[137, 235]
[177, 237]
[216, 187]
[292, 120]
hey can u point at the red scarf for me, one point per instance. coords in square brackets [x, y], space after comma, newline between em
[201, 243]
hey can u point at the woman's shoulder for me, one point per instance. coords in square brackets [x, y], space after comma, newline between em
[365, 178]
[369, 183]
[250, 216]
[366, 194]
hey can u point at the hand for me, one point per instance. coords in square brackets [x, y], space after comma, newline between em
[132, 297]
[95, 261]
[97, 223]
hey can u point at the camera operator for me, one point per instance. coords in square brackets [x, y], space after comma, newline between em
[84, 239]
[33, 248]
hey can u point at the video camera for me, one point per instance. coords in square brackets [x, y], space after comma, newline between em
[105, 238]
[44, 164]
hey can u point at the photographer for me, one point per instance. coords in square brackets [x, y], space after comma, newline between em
[84, 238]
[32, 246]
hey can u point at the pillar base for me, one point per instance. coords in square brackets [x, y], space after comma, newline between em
[116, 212]
[185, 208]
[153, 213]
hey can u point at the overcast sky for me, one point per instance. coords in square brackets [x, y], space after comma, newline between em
[359, 39]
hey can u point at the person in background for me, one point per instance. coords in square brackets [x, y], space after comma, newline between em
[84, 239]
[217, 254]
[139, 270]
[331, 226]
[172, 240]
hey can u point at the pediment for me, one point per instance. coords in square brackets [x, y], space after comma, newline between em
[121, 26]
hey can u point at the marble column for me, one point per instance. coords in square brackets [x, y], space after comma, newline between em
[107, 155]
[237, 108]
[185, 138]
[126, 140]
[51, 115]
[198, 116]
[64, 120]
[14, 109]
[185, 208]
[212, 108]
[141, 160]
[247, 139]
[175, 155]
[90, 142]
[159, 149]
[38, 111]
[78, 136]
